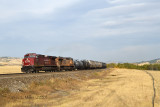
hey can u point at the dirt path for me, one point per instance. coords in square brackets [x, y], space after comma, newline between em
[122, 88]
[156, 75]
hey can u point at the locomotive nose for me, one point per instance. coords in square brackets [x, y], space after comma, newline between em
[28, 61]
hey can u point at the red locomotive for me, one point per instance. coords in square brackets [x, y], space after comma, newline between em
[33, 62]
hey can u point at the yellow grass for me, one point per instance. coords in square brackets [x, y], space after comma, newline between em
[120, 88]
[10, 69]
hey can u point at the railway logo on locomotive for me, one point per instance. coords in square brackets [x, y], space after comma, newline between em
[27, 61]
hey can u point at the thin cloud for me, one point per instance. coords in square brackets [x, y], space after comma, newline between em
[11, 10]
[101, 30]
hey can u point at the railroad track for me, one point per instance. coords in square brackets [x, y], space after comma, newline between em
[2, 76]
[12, 75]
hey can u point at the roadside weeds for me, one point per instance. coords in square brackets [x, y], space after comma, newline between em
[42, 89]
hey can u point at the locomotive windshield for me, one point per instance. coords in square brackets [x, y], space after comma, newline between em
[29, 56]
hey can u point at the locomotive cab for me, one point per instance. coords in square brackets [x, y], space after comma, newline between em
[29, 59]
[28, 62]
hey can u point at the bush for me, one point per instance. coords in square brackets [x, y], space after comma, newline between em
[134, 66]
[111, 65]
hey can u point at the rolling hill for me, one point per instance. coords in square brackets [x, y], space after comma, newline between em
[155, 61]
[10, 61]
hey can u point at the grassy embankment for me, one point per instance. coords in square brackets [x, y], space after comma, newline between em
[42, 89]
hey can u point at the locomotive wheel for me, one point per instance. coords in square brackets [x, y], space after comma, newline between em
[36, 71]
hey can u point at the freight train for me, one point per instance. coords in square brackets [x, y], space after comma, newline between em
[33, 63]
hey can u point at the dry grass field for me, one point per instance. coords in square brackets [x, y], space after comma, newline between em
[119, 88]
[10, 69]
[122, 88]
[10, 65]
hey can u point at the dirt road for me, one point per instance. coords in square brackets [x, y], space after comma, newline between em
[120, 88]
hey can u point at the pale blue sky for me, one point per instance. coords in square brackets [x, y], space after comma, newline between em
[103, 30]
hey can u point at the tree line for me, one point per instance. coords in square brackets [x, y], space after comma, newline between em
[134, 66]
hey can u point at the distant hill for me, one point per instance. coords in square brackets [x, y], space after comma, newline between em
[4, 61]
[155, 61]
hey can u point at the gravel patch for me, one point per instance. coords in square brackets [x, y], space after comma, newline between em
[18, 82]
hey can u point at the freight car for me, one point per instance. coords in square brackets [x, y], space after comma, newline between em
[104, 65]
[33, 63]
[78, 64]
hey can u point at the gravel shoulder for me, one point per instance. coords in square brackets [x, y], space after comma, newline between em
[17, 82]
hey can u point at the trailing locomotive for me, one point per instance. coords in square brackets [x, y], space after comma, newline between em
[33, 62]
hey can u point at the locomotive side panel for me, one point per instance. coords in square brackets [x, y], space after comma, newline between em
[47, 63]
[39, 61]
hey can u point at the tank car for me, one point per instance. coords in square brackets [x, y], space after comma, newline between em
[78, 65]
[104, 65]
[86, 64]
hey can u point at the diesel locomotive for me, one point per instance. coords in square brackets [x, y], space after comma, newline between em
[32, 63]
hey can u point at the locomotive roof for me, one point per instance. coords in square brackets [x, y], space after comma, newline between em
[65, 57]
[45, 55]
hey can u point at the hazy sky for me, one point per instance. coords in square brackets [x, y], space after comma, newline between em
[103, 30]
